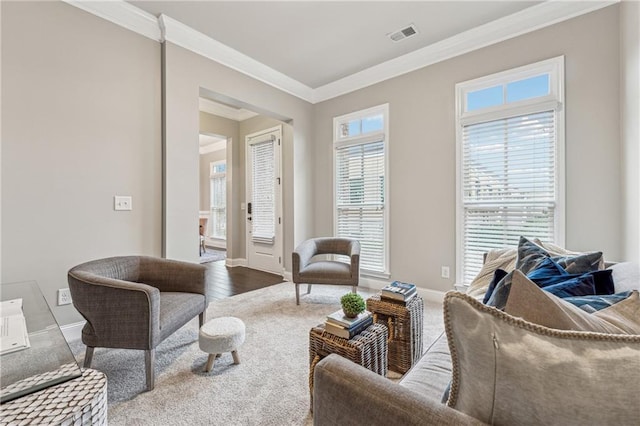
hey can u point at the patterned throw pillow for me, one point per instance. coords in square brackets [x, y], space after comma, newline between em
[504, 259]
[549, 272]
[530, 254]
[597, 302]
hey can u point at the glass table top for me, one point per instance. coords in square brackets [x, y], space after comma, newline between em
[47, 360]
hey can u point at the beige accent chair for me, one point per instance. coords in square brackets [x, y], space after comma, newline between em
[135, 302]
[308, 271]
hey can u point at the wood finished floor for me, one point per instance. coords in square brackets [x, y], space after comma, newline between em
[231, 281]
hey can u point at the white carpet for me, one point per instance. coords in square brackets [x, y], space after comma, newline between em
[268, 387]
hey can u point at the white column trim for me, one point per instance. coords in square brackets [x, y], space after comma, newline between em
[180, 34]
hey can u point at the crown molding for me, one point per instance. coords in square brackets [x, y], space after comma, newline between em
[185, 36]
[216, 146]
[124, 14]
[165, 28]
[215, 108]
[525, 21]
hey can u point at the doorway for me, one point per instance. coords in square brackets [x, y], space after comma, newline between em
[264, 200]
[212, 196]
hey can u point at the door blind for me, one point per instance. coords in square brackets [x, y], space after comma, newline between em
[360, 200]
[508, 183]
[263, 212]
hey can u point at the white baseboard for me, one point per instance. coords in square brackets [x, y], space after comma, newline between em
[377, 284]
[425, 293]
[215, 243]
[232, 263]
[72, 332]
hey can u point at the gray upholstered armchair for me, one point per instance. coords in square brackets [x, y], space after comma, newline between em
[306, 271]
[135, 302]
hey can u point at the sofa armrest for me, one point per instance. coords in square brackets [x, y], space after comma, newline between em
[346, 393]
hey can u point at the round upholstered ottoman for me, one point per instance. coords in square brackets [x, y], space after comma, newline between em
[219, 335]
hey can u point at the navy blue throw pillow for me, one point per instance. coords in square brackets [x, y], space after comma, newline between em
[603, 281]
[498, 274]
[578, 286]
[549, 272]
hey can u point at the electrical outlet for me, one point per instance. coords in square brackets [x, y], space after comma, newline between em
[122, 202]
[64, 297]
[444, 272]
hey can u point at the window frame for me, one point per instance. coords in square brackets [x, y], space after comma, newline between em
[213, 175]
[553, 101]
[361, 139]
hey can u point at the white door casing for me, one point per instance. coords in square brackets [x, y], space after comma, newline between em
[264, 201]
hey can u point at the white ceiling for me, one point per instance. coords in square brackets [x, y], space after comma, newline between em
[319, 42]
[318, 50]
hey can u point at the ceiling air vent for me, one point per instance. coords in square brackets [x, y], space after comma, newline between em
[407, 32]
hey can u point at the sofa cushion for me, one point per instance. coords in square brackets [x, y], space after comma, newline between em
[509, 371]
[531, 303]
[431, 375]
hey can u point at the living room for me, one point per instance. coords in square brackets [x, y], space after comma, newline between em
[92, 109]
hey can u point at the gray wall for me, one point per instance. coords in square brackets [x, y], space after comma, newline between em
[185, 74]
[422, 144]
[81, 123]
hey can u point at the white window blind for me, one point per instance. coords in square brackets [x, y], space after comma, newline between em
[263, 212]
[508, 184]
[218, 203]
[360, 199]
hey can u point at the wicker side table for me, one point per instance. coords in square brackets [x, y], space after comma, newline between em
[81, 401]
[405, 329]
[368, 349]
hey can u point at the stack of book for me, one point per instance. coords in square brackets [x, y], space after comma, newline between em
[340, 325]
[399, 292]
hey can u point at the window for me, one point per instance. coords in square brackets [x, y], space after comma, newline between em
[218, 199]
[510, 148]
[360, 160]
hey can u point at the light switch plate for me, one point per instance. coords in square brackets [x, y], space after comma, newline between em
[122, 202]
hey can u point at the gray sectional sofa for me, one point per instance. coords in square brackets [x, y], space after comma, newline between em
[568, 376]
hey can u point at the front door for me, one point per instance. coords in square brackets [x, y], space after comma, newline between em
[264, 201]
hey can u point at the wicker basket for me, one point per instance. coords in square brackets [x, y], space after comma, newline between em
[368, 349]
[405, 329]
[81, 401]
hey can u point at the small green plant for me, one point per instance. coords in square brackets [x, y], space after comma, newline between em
[352, 304]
